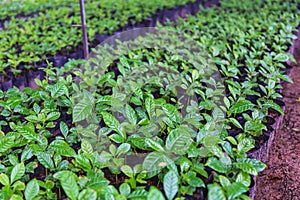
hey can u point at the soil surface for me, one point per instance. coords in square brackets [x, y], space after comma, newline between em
[281, 178]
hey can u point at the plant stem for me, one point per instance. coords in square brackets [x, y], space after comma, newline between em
[83, 26]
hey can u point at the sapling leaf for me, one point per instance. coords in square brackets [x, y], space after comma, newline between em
[32, 189]
[125, 189]
[64, 129]
[155, 193]
[154, 145]
[235, 189]
[178, 141]
[87, 194]
[250, 166]
[45, 160]
[130, 114]
[150, 107]
[6, 143]
[171, 183]
[113, 123]
[4, 180]
[241, 106]
[62, 148]
[53, 116]
[68, 183]
[17, 172]
[216, 164]
[273, 105]
[83, 109]
[215, 192]
[28, 133]
[127, 170]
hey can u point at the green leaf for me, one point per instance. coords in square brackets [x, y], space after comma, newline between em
[86, 147]
[87, 194]
[64, 129]
[154, 145]
[62, 148]
[113, 123]
[224, 180]
[45, 160]
[130, 114]
[6, 143]
[250, 166]
[125, 189]
[155, 193]
[216, 164]
[36, 108]
[138, 194]
[172, 112]
[235, 189]
[178, 141]
[17, 172]
[154, 161]
[32, 118]
[26, 154]
[126, 169]
[28, 133]
[244, 178]
[4, 180]
[123, 148]
[116, 138]
[53, 116]
[18, 186]
[241, 106]
[57, 90]
[82, 110]
[236, 123]
[281, 57]
[68, 183]
[273, 105]
[215, 192]
[170, 183]
[150, 107]
[245, 145]
[32, 189]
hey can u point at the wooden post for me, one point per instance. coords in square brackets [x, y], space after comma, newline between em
[83, 26]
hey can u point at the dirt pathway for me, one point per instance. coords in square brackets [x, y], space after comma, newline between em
[281, 180]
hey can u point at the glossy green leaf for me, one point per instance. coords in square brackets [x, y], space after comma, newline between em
[178, 141]
[241, 106]
[17, 172]
[32, 189]
[130, 114]
[45, 160]
[6, 143]
[216, 164]
[64, 129]
[251, 166]
[155, 193]
[215, 192]
[171, 183]
[68, 183]
[4, 180]
[235, 189]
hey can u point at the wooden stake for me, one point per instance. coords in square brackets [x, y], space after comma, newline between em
[83, 26]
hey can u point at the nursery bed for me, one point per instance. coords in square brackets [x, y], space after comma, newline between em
[26, 77]
[280, 180]
[36, 122]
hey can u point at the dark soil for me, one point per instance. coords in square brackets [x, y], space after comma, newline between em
[281, 178]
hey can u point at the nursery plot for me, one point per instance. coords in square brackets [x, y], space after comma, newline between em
[26, 41]
[280, 179]
[63, 139]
